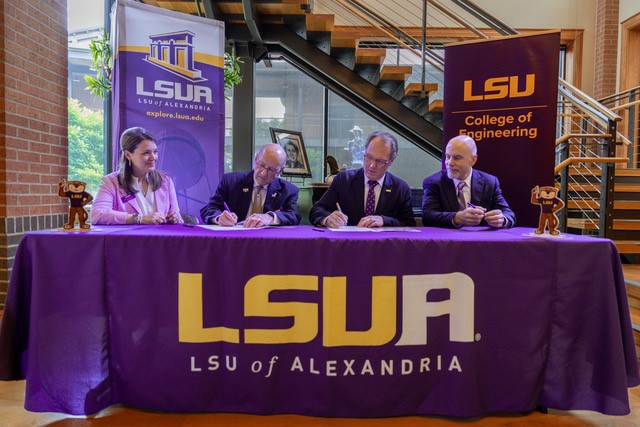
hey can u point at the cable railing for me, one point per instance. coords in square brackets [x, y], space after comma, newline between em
[627, 105]
[413, 32]
[588, 147]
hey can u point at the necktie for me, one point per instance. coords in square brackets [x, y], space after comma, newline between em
[370, 206]
[461, 201]
[256, 203]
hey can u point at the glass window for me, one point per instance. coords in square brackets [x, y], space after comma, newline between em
[86, 123]
[348, 130]
[286, 98]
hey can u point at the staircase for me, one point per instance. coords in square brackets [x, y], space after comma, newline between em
[351, 58]
[583, 207]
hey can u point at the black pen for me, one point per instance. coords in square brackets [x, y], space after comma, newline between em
[188, 225]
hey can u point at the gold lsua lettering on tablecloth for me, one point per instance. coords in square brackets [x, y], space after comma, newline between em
[416, 309]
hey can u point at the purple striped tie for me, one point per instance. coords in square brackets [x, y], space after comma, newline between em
[370, 206]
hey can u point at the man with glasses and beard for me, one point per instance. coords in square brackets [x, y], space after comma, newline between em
[460, 195]
[256, 198]
[369, 196]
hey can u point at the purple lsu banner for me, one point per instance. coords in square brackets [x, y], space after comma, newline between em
[503, 93]
[168, 78]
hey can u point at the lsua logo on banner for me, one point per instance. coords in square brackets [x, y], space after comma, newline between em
[416, 310]
[174, 52]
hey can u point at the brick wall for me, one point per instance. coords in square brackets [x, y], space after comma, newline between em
[33, 122]
[606, 45]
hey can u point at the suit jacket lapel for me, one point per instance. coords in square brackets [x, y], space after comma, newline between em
[450, 194]
[133, 203]
[477, 188]
[386, 194]
[244, 194]
[273, 195]
[357, 189]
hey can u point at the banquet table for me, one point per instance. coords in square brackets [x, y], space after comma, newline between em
[309, 321]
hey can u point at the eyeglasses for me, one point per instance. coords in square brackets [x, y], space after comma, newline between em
[379, 162]
[270, 170]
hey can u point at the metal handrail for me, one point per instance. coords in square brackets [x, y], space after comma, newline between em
[589, 104]
[620, 95]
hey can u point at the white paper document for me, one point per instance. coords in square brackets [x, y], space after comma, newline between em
[353, 228]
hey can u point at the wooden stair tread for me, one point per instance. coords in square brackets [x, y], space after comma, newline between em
[627, 188]
[415, 89]
[628, 247]
[370, 56]
[583, 187]
[436, 106]
[581, 223]
[344, 42]
[626, 224]
[632, 205]
[583, 204]
[178, 6]
[320, 22]
[627, 172]
[396, 72]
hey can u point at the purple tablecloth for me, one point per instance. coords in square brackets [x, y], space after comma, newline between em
[292, 320]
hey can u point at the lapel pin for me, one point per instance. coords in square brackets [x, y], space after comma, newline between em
[274, 195]
[245, 190]
[387, 190]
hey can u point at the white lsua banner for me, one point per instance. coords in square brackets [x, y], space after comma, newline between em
[168, 77]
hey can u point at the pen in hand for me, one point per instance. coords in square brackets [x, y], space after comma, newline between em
[338, 206]
[226, 207]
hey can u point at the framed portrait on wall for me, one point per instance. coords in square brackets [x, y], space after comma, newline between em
[297, 163]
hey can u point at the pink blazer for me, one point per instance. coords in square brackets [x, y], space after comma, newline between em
[113, 205]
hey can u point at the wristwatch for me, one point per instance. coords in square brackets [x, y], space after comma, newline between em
[136, 218]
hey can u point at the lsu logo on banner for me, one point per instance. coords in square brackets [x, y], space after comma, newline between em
[416, 310]
[174, 52]
[501, 87]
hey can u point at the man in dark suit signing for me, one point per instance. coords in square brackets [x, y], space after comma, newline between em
[369, 196]
[258, 197]
[462, 196]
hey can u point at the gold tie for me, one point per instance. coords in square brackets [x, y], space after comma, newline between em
[256, 203]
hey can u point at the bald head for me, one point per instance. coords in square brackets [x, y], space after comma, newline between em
[460, 156]
[465, 140]
[272, 153]
[269, 162]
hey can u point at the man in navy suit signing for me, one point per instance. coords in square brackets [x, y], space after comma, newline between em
[369, 196]
[258, 197]
[462, 196]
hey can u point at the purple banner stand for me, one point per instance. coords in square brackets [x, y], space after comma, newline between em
[291, 320]
[503, 93]
[168, 78]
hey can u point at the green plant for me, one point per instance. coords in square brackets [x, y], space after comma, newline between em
[100, 49]
[100, 85]
[232, 74]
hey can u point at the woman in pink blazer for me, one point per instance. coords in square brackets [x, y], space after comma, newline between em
[137, 193]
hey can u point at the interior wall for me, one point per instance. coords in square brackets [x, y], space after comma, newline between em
[628, 8]
[552, 14]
